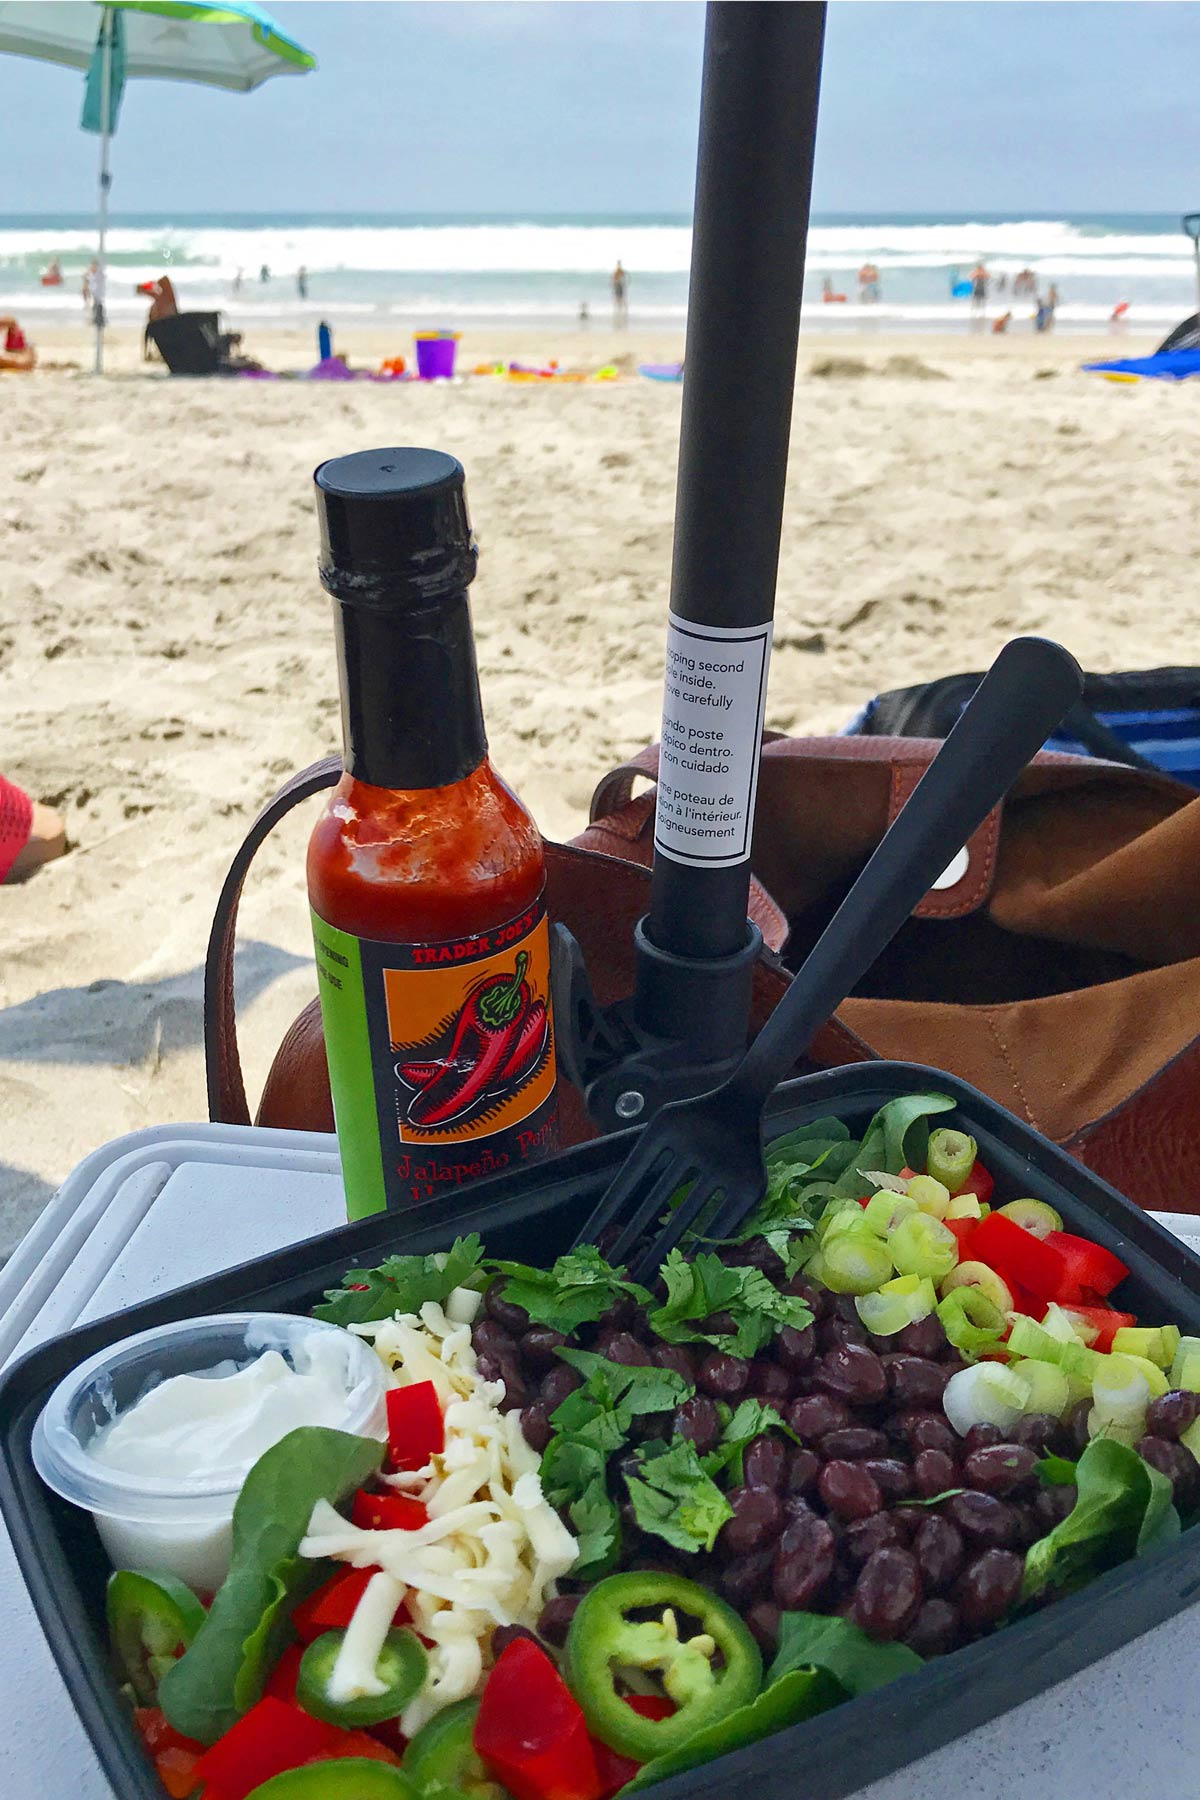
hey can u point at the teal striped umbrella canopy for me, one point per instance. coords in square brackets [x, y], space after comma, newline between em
[232, 45]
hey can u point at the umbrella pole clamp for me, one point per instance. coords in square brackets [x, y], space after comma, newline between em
[682, 1031]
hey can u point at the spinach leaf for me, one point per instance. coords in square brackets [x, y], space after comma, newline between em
[402, 1284]
[799, 1695]
[897, 1135]
[705, 1285]
[224, 1669]
[1123, 1509]
[674, 1498]
[815, 1640]
[579, 1288]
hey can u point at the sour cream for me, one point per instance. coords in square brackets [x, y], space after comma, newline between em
[155, 1435]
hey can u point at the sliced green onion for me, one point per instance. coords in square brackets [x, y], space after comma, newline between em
[1033, 1216]
[886, 1209]
[890, 1184]
[1067, 1328]
[1120, 1396]
[933, 1197]
[855, 1263]
[985, 1394]
[1190, 1439]
[923, 1246]
[1077, 1359]
[978, 1275]
[1152, 1375]
[951, 1157]
[1144, 1340]
[839, 1216]
[964, 1206]
[1028, 1338]
[971, 1322]
[1189, 1375]
[1049, 1389]
[906, 1300]
[1187, 1346]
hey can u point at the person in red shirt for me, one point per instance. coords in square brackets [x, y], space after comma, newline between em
[30, 833]
[16, 352]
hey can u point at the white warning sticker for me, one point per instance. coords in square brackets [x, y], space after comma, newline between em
[714, 697]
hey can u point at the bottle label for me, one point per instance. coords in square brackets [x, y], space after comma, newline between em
[441, 1058]
[714, 697]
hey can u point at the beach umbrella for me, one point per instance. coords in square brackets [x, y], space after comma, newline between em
[230, 45]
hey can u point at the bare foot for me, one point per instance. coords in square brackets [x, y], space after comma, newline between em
[47, 839]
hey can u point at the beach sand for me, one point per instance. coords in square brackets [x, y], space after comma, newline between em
[166, 653]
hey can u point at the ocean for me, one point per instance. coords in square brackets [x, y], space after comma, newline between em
[428, 270]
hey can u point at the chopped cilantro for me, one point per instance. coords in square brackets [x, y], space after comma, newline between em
[748, 1421]
[403, 1284]
[576, 1291]
[674, 1498]
[705, 1285]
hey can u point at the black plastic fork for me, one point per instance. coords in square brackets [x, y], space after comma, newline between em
[714, 1141]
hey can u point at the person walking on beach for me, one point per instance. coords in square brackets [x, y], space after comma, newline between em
[979, 289]
[264, 274]
[868, 284]
[93, 292]
[620, 290]
[237, 281]
[302, 282]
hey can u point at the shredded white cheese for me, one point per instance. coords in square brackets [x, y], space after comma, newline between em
[493, 1550]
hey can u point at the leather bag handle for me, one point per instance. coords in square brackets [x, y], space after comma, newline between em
[222, 1062]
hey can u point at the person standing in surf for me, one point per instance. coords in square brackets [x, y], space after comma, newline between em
[620, 290]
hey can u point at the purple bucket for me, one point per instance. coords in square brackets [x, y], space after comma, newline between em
[435, 355]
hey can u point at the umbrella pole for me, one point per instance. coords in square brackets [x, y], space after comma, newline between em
[99, 304]
[762, 66]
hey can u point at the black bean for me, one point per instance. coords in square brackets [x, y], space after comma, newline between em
[803, 1467]
[878, 1532]
[926, 1338]
[557, 1384]
[1037, 1431]
[1170, 1415]
[538, 1346]
[720, 1324]
[988, 1587]
[770, 1383]
[755, 1253]
[893, 1477]
[914, 1381]
[938, 1548]
[765, 1463]
[678, 1358]
[757, 1521]
[934, 1631]
[1175, 1461]
[535, 1426]
[795, 1347]
[834, 1332]
[933, 1472]
[621, 1315]
[849, 1491]
[698, 1420]
[817, 1298]
[928, 1431]
[984, 1521]
[622, 1347]
[497, 1308]
[813, 1415]
[556, 1616]
[491, 1339]
[1028, 1529]
[747, 1578]
[850, 1443]
[1052, 1504]
[1000, 1469]
[852, 1373]
[982, 1437]
[516, 1393]
[952, 1362]
[724, 1377]
[504, 1635]
[762, 1620]
[1076, 1423]
[804, 1559]
[888, 1594]
[487, 1367]
[796, 1506]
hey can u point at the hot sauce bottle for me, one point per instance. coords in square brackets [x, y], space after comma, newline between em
[425, 872]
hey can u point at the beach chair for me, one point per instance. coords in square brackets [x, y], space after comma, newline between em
[192, 343]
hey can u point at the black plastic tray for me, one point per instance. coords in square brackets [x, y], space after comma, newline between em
[532, 1215]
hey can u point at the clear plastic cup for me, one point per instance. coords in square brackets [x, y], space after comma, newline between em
[180, 1523]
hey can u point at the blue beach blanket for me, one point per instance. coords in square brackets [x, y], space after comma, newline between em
[1164, 365]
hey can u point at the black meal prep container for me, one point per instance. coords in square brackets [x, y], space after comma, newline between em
[532, 1215]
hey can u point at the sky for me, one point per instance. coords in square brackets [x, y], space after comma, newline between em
[541, 106]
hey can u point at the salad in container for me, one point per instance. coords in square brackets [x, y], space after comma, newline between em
[496, 1529]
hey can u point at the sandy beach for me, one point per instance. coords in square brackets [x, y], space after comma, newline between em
[166, 653]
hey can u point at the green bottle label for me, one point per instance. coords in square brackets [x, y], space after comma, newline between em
[441, 1058]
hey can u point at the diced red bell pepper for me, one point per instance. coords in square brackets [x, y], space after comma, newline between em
[281, 1682]
[651, 1706]
[357, 1743]
[979, 1183]
[158, 1734]
[416, 1428]
[530, 1731]
[387, 1512]
[1007, 1248]
[1086, 1266]
[962, 1229]
[332, 1607]
[388, 1731]
[1105, 1321]
[616, 1770]
[270, 1738]
[177, 1771]
[1022, 1300]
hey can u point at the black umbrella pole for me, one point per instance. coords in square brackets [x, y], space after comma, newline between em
[762, 65]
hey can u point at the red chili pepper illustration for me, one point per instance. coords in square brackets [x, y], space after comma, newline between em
[498, 1039]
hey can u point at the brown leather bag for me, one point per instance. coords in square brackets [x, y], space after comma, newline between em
[1059, 972]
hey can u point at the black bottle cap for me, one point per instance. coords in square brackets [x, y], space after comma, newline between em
[394, 527]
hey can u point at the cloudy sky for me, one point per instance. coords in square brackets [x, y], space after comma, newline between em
[548, 107]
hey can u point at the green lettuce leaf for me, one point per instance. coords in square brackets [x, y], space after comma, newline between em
[224, 1669]
[403, 1284]
[897, 1136]
[857, 1662]
[799, 1695]
[674, 1498]
[1123, 1508]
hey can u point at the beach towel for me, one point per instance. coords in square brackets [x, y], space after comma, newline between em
[1164, 365]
